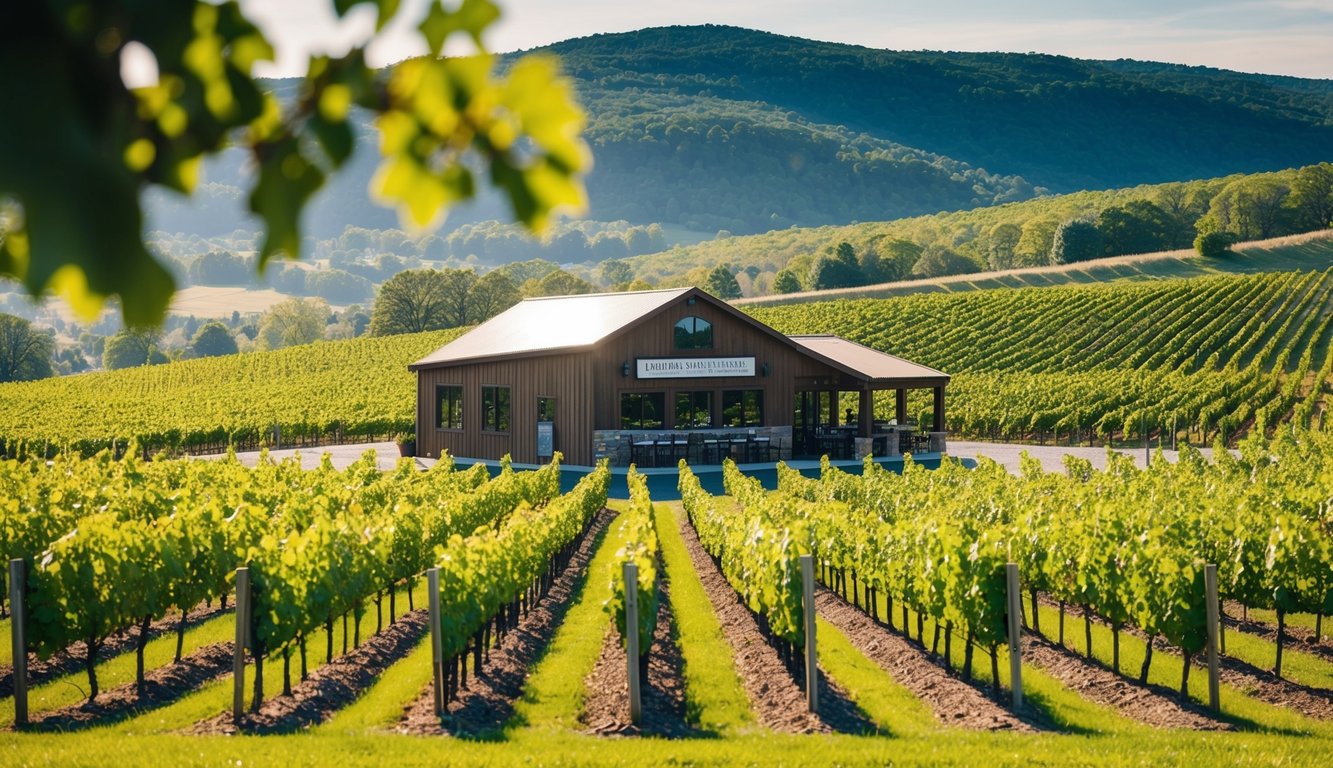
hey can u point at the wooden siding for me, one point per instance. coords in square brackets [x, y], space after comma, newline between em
[564, 377]
[732, 337]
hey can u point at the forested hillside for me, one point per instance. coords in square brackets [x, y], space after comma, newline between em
[718, 128]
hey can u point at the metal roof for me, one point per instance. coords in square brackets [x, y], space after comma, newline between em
[864, 362]
[552, 324]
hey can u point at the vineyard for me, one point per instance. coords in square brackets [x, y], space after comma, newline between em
[1204, 358]
[343, 391]
[131, 594]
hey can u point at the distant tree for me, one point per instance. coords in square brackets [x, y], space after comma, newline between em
[458, 296]
[219, 268]
[897, 257]
[938, 261]
[1312, 196]
[128, 349]
[639, 284]
[293, 322]
[615, 272]
[1214, 245]
[1002, 245]
[786, 281]
[25, 352]
[1034, 246]
[607, 245]
[411, 301]
[71, 360]
[1138, 226]
[561, 283]
[722, 283]
[1182, 207]
[288, 278]
[835, 271]
[211, 340]
[338, 287]
[872, 271]
[1076, 240]
[533, 269]
[491, 294]
[1250, 208]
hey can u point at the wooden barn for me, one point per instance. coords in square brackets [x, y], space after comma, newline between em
[655, 376]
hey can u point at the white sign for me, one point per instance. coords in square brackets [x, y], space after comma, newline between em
[694, 367]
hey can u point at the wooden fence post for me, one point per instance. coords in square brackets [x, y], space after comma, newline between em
[242, 641]
[18, 582]
[632, 641]
[1015, 633]
[1210, 594]
[808, 606]
[436, 642]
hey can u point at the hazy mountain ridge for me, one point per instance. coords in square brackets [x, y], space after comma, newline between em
[713, 128]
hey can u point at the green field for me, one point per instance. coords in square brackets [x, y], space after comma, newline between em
[546, 730]
[1313, 251]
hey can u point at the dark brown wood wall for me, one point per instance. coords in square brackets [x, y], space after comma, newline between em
[732, 337]
[565, 377]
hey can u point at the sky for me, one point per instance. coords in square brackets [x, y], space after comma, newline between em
[1288, 37]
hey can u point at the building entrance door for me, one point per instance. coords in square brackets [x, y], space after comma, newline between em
[811, 413]
[545, 428]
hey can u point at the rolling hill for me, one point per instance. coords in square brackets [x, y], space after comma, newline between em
[719, 128]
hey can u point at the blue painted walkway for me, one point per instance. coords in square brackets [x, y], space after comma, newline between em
[662, 481]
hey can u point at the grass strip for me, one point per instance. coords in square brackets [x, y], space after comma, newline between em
[217, 696]
[715, 701]
[1166, 670]
[1043, 695]
[553, 697]
[894, 709]
[117, 670]
[383, 704]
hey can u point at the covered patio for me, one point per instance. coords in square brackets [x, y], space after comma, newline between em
[818, 427]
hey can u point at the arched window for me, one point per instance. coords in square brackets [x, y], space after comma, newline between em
[694, 333]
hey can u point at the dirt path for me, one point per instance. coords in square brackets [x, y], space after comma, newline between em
[330, 687]
[1297, 638]
[606, 710]
[775, 698]
[1150, 704]
[71, 658]
[1257, 683]
[953, 701]
[487, 702]
[163, 686]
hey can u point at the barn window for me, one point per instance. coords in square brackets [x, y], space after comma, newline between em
[642, 410]
[495, 409]
[448, 407]
[694, 410]
[743, 408]
[694, 333]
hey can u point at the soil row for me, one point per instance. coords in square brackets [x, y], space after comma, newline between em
[162, 686]
[775, 698]
[486, 701]
[330, 687]
[953, 701]
[662, 695]
[1296, 637]
[1257, 683]
[73, 657]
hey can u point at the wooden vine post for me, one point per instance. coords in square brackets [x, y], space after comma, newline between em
[436, 642]
[632, 641]
[1015, 612]
[18, 580]
[243, 611]
[1210, 590]
[808, 608]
